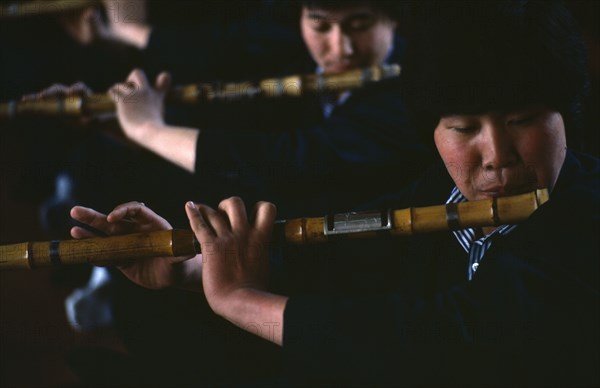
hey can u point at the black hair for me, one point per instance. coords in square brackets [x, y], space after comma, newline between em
[391, 8]
[288, 11]
[473, 57]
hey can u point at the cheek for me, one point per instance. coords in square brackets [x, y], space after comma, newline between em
[385, 41]
[373, 46]
[455, 157]
[312, 42]
[543, 152]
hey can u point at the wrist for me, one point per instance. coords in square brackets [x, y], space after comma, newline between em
[256, 311]
[145, 132]
[133, 33]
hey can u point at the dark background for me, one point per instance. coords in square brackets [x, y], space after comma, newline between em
[34, 335]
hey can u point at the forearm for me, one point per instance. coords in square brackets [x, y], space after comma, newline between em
[132, 33]
[258, 312]
[175, 144]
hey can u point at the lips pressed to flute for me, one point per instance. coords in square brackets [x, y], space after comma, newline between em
[119, 249]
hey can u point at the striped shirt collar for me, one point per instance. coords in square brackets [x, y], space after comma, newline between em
[475, 248]
[330, 101]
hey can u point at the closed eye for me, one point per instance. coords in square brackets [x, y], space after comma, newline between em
[464, 129]
[359, 23]
[524, 117]
[320, 25]
[522, 120]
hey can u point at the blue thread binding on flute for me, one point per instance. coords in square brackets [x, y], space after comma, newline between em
[54, 252]
[452, 216]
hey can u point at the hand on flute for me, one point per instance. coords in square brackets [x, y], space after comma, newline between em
[235, 264]
[140, 107]
[78, 89]
[135, 217]
[140, 113]
[69, 102]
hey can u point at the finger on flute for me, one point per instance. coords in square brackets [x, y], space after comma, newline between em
[173, 243]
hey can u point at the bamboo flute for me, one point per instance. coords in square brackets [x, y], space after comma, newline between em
[15, 9]
[290, 86]
[124, 248]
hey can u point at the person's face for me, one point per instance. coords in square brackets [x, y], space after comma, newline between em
[348, 38]
[499, 154]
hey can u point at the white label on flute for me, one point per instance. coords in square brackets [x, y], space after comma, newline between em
[357, 222]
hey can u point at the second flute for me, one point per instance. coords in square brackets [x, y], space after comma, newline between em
[119, 249]
[290, 86]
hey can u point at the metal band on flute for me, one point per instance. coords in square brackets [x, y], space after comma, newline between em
[98, 250]
[292, 86]
[119, 249]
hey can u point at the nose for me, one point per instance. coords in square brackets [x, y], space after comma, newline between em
[340, 43]
[497, 148]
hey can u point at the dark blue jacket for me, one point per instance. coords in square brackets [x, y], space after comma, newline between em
[284, 150]
[529, 317]
[309, 165]
[287, 152]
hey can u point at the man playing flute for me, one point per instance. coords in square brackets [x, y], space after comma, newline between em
[497, 85]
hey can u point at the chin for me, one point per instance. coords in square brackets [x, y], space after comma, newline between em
[337, 70]
[341, 67]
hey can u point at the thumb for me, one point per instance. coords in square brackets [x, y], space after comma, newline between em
[138, 78]
[98, 27]
[163, 82]
[197, 222]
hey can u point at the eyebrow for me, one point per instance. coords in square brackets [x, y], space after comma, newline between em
[458, 115]
[451, 120]
[321, 15]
